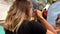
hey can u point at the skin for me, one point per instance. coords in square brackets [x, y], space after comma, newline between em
[50, 29]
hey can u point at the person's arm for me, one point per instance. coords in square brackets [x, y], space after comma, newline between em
[45, 23]
[49, 32]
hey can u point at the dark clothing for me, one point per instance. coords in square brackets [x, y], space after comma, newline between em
[29, 27]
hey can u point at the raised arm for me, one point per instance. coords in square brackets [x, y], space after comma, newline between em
[45, 23]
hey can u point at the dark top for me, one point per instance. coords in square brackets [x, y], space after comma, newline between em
[29, 27]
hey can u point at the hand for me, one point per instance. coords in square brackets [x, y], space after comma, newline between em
[38, 13]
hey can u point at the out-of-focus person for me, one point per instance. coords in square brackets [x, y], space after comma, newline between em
[18, 20]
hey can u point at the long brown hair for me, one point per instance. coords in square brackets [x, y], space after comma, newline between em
[17, 14]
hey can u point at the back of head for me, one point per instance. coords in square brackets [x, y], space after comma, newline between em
[19, 10]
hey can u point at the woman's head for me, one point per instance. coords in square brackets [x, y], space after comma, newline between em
[23, 6]
[20, 10]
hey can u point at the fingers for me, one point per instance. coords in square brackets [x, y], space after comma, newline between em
[37, 12]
